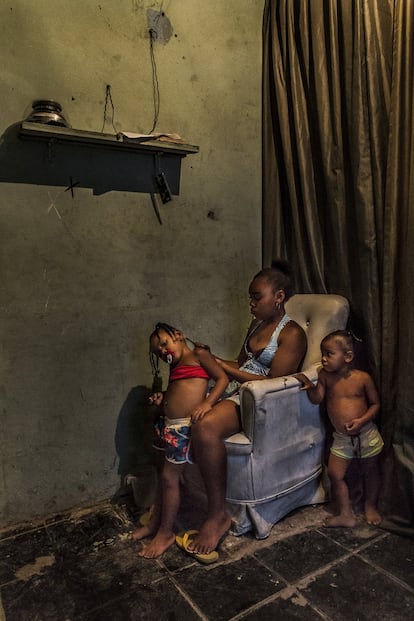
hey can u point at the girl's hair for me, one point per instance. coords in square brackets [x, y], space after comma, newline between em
[165, 327]
[279, 275]
[347, 340]
[154, 360]
[344, 338]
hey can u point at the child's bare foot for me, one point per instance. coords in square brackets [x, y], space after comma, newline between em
[372, 516]
[210, 534]
[143, 531]
[331, 508]
[348, 521]
[160, 543]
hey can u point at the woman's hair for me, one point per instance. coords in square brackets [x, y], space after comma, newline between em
[279, 275]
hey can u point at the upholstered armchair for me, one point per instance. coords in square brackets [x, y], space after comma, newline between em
[275, 464]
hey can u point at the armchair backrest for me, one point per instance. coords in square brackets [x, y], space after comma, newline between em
[318, 314]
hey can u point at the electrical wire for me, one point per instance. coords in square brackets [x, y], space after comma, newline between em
[155, 85]
[108, 97]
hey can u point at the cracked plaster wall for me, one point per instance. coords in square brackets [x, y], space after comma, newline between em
[85, 278]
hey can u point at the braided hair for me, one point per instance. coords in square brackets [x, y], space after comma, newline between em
[154, 359]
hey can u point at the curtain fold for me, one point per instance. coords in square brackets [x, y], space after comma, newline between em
[397, 290]
[337, 184]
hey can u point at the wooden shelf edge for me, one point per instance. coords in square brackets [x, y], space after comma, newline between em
[96, 139]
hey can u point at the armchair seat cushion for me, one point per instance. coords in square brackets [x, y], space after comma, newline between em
[239, 444]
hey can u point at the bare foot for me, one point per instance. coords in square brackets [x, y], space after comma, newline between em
[143, 531]
[210, 534]
[160, 543]
[372, 516]
[340, 520]
[331, 508]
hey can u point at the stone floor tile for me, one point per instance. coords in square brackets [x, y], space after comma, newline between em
[352, 538]
[300, 554]
[160, 601]
[395, 554]
[222, 591]
[353, 590]
[62, 571]
[293, 607]
[17, 552]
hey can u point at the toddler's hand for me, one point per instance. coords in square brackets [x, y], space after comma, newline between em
[156, 398]
[353, 426]
[306, 383]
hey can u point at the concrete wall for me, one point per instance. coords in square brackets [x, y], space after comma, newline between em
[85, 278]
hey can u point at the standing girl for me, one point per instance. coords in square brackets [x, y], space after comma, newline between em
[185, 402]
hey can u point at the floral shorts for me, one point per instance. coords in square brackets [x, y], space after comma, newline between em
[177, 440]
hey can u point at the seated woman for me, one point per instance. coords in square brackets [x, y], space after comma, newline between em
[274, 346]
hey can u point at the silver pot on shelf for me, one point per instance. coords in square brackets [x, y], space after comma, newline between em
[49, 112]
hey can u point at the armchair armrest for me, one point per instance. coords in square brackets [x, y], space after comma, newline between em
[255, 394]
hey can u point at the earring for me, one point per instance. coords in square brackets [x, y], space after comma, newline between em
[277, 305]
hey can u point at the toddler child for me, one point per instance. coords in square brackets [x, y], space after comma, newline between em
[352, 403]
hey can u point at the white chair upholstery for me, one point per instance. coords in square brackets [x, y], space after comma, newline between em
[275, 463]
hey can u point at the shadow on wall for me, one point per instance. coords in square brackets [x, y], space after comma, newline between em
[139, 462]
[134, 432]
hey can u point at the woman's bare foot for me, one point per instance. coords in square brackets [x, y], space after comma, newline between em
[372, 516]
[210, 534]
[160, 543]
[348, 521]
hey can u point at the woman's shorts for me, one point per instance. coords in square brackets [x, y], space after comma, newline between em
[367, 443]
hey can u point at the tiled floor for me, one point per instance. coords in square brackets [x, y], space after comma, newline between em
[83, 567]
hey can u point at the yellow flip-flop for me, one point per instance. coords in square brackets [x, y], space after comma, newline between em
[179, 538]
[145, 518]
[183, 540]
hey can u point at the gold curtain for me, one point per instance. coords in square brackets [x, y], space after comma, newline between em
[338, 189]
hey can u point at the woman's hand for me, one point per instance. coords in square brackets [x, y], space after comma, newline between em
[228, 366]
[202, 345]
[200, 411]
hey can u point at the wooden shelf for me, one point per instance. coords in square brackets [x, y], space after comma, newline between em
[40, 154]
[112, 141]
